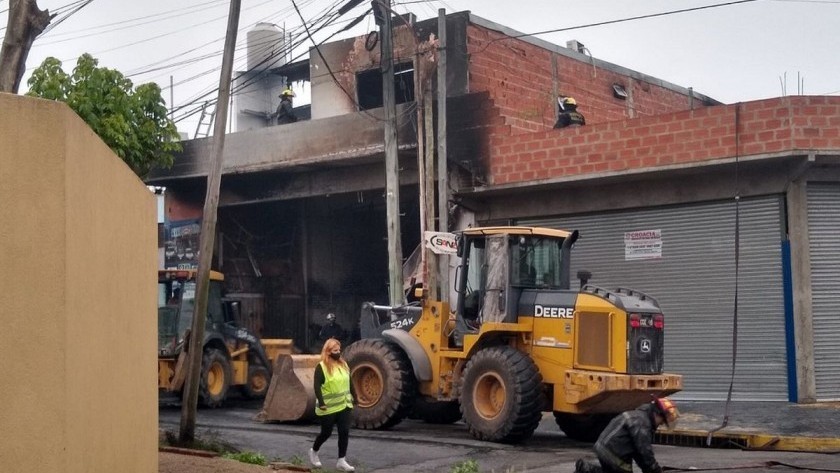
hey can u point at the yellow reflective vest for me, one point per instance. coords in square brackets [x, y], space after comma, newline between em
[335, 390]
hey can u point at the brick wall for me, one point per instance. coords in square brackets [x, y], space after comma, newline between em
[519, 77]
[766, 127]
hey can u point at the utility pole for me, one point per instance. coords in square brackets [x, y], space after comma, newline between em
[26, 21]
[443, 176]
[382, 12]
[208, 233]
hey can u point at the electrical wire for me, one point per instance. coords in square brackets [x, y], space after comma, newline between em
[611, 22]
[189, 11]
[325, 19]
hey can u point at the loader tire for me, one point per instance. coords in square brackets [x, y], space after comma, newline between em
[500, 395]
[383, 382]
[583, 427]
[215, 378]
[258, 381]
[436, 412]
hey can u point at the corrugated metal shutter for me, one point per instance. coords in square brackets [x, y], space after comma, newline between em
[694, 282]
[824, 234]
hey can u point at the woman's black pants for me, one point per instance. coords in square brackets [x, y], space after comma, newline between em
[342, 419]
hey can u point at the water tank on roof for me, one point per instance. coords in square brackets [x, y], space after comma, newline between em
[266, 47]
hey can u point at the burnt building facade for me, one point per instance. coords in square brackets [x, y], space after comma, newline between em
[659, 182]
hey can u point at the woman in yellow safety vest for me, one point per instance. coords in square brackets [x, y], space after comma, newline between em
[335, 397]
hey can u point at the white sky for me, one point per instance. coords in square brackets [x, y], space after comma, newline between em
[730, 53]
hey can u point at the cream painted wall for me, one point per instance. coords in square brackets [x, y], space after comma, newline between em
[78, 253]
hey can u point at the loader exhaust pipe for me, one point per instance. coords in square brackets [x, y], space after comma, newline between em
[566, 261]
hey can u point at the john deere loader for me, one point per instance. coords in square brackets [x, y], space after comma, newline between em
[231, 356]
[518, 342]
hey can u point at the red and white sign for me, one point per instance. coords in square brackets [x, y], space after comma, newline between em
[642, 244]
[441, 243]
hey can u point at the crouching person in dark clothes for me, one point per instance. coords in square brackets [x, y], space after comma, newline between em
[335, 398]
[628, 438]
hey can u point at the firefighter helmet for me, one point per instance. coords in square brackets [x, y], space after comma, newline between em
[667, 409]
[287, 93]
[330, 317]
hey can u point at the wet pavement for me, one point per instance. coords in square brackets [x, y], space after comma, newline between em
[773, 418]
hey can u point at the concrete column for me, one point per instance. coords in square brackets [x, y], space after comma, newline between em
[797, 207]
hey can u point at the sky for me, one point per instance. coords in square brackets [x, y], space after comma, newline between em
[732, 53]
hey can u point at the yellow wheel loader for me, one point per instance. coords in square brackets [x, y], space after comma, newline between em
[232, 356]
[518, 342]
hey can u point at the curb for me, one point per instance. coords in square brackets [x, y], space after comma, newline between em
[748, 441]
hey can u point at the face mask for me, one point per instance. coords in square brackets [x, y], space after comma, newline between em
[335, 356]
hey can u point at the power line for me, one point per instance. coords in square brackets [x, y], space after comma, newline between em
[277, 56]
[168, 15]
[620, 20]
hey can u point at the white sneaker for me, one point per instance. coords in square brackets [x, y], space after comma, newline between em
[342, 465]
[313, 458]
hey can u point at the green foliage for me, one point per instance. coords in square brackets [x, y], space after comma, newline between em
[253, 458]
[466, 466]
[296, 460]
[132, 121]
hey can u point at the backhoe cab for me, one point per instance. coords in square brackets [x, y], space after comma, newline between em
[519, 342]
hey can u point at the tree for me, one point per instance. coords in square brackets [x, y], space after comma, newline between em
[132, 121]
[26, 21]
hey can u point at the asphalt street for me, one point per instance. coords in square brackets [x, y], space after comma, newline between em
[414, 446]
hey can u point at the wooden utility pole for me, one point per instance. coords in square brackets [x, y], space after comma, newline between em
[208, 232]
[392, 176]
[24, 24]
[443, 176]
[431, 281]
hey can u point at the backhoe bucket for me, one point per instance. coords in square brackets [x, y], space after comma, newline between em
[291, 395]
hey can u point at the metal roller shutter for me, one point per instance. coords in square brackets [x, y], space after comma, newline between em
[823, 232]
[694, 282]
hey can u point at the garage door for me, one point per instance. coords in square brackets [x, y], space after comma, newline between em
[684, 256]
[824, 234]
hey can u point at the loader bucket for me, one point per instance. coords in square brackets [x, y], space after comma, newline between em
[291, 395]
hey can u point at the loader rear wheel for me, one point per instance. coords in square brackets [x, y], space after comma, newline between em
[215, 378]
[583, 427]
[258, 381]
[382, 381]
[500, 398]
[436, 412]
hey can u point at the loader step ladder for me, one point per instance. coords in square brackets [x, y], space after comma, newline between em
[205, 121]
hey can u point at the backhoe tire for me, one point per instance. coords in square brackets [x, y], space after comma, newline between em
[583, 427]
[257, 383]
[436, 412]
[500, 395]
[215, 378]
[383, 382]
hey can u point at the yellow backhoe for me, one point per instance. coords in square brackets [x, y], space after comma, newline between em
[232, 356]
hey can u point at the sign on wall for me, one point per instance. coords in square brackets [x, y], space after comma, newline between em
[181, 246]
[642, 244]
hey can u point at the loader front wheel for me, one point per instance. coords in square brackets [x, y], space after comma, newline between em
[583, 427]
[382, 381]
[215, 378]
[258, 381]
[500, 397]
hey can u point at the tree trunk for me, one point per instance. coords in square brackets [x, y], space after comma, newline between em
[25, 23]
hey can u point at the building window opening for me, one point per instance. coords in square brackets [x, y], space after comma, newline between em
[369, 86]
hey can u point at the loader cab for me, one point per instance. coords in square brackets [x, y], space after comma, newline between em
[176, 307]
[498, 264]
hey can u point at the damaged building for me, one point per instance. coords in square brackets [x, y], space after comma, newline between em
[659, 182]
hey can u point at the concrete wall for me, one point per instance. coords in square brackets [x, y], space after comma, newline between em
[525, 75]
[79, 336]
